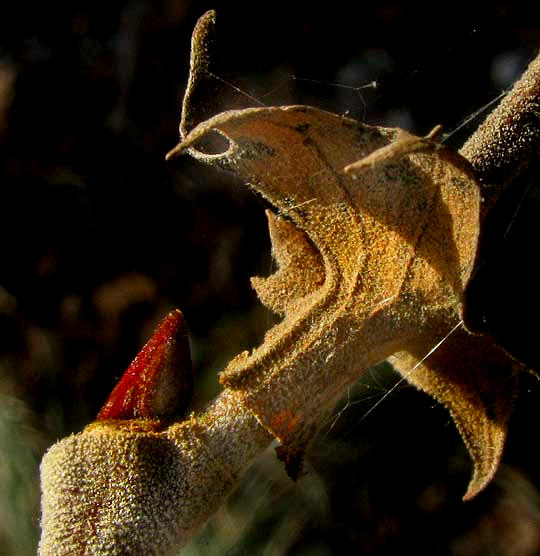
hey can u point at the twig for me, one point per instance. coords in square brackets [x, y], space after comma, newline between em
[509, 139]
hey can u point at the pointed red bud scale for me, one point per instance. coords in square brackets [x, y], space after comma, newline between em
[159, 382]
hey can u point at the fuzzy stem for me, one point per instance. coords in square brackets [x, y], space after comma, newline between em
[506, 142]
[233, 432]
[123, 488]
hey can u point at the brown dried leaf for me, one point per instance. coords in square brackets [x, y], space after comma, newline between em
[397, 244]
[301, 269]
[387, 224]
[477, 382]
[394, 221]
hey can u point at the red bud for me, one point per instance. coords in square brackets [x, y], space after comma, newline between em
[159, 382]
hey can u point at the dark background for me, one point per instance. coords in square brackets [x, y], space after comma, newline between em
[101, 238]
